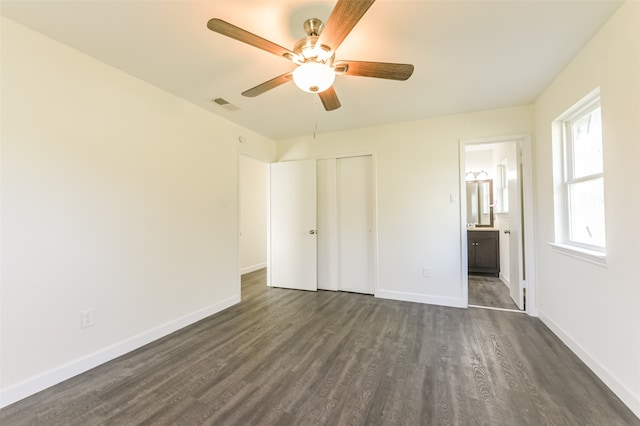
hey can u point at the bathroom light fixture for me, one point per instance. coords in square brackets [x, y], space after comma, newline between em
[313, 77]
[475, 175]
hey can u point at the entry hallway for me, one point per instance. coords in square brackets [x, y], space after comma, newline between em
[293, 357]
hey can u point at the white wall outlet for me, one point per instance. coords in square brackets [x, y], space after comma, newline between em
[453, 199]
[426, 272]
[87, 318]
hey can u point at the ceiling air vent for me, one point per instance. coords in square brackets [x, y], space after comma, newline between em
[226, 104]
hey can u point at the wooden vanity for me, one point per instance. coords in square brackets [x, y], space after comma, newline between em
[483, 245]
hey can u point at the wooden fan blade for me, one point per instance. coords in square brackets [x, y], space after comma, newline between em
[230, 30]
[268, 85]
[374, 69]
[343, 18]
[329, 99]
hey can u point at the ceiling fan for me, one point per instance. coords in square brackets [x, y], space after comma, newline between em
[314, 55]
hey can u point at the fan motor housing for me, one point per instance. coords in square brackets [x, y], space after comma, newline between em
[308, 49]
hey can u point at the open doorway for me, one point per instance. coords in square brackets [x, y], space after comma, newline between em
[254, 193]
[496, 219]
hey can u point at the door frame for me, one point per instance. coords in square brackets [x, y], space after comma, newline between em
[524, 141]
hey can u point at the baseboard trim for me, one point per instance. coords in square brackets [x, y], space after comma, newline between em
[621, 391]
[66, 371]
[421, 298]
[252, 268]
[505, 279]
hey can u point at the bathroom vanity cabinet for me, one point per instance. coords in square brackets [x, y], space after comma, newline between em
[483, 251]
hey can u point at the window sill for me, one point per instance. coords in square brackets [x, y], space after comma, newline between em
[591, 256]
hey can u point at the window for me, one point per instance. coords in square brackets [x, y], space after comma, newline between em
[502, 187]
[581, 197]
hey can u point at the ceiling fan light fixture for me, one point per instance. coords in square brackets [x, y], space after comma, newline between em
[314, 55]
[313, 77]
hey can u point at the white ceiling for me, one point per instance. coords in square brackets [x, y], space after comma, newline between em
[468, 55]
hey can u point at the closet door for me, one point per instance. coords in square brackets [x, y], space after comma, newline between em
[293, 252]
[354, 180]
[327, 225]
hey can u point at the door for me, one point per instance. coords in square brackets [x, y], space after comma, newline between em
[293, 252]
[516, 245]
[327, 225]
[355, 224]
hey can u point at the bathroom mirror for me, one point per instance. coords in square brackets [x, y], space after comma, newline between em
[480, 203]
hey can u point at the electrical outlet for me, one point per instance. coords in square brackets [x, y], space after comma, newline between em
[426, 272]
[87, 318]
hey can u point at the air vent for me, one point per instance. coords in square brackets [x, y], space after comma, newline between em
[226, 104]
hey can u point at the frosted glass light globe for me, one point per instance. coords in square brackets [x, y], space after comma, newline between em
[313, 77]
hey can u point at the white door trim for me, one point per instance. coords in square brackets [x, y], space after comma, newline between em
[528, 217]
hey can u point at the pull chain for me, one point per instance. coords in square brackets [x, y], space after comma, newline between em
[315, 116]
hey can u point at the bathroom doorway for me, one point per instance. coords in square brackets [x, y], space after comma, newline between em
[494, 226]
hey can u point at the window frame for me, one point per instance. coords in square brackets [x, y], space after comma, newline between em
[566, 178]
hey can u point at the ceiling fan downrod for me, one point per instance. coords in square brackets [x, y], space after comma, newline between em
[313, 26]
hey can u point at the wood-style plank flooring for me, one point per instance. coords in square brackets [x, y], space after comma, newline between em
[489, 291]
[290, 357]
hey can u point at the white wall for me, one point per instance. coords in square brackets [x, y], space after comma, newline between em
[595, 309]
[116, 196]
[254, 175]
[478, 160]
[417, 168]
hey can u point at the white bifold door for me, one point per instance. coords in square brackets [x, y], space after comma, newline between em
[322, 225]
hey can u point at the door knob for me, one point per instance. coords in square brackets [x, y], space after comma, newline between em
[507, 231]
[313, 231]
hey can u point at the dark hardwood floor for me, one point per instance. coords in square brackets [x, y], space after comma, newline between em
[490, 292]
[302, 358]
